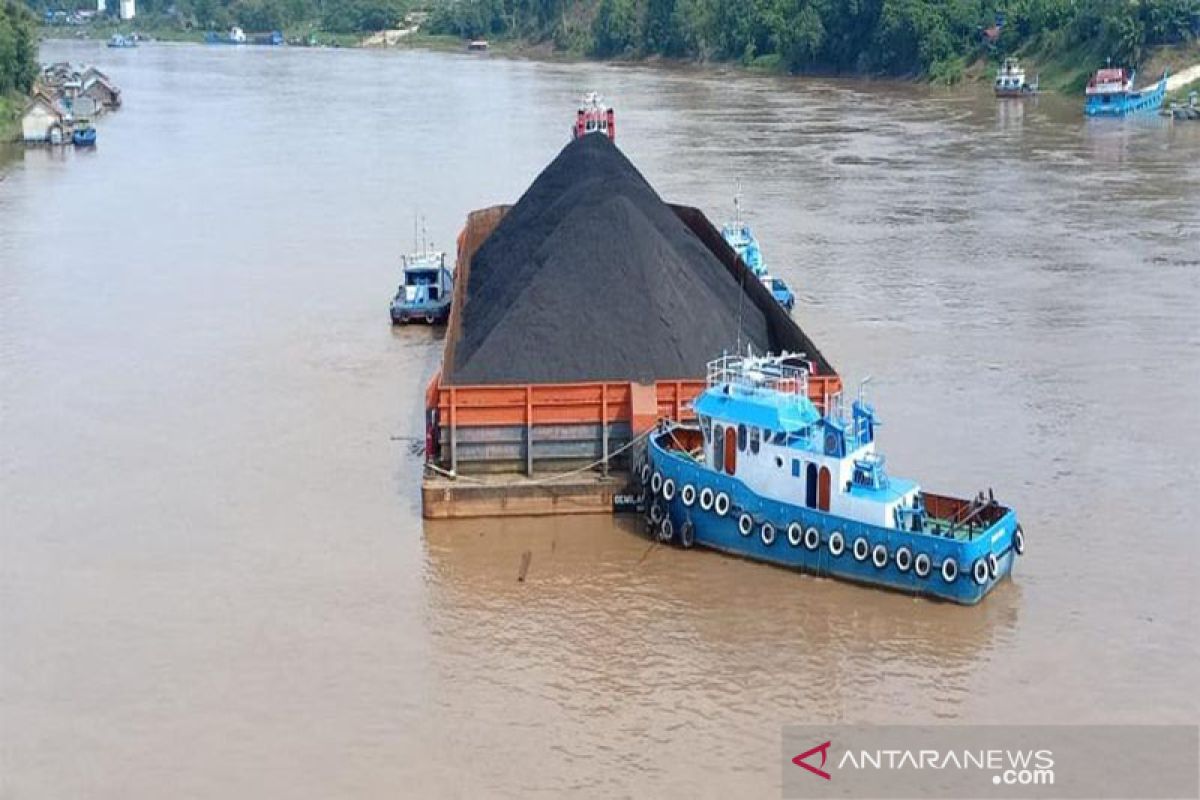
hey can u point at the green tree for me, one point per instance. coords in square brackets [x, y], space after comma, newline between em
[657, 35]
[615, 31]
[798, 33]
[18, 47]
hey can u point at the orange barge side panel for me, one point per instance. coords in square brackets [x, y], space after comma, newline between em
[580, 403]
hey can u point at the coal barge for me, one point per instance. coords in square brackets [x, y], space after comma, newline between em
[582, 316]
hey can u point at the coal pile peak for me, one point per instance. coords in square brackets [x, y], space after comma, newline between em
[591, 276]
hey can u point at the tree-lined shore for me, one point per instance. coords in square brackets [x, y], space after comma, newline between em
[940, 40]
[18, 62]
[932, 38]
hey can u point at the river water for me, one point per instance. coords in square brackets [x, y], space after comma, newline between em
[214, 577]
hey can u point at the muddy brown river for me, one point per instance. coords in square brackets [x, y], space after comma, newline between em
[214, 577]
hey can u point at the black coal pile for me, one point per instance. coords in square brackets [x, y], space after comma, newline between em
[591, 276]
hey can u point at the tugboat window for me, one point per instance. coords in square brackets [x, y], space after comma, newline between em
[755, 441]
[741, 438]
[718, 447]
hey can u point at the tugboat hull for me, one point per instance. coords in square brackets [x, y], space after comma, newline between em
[431, 315]
[798, 537]
[1121, 103]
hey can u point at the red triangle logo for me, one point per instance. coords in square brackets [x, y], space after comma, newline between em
[823, 749]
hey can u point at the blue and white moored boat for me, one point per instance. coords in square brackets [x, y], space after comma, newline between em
[738, 235]
[1110, 93]
[427, 289]
[766, 476]
[84, 135]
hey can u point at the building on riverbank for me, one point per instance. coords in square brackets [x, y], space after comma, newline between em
[68, 82]
[45, 120]
[63, 96]
[98, 87]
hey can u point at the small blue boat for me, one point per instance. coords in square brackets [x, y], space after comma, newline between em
[84, 136]
[117, 40]
[738, 235]
[1110, 93]
[766, 476]
[780, 291]
[427, 289]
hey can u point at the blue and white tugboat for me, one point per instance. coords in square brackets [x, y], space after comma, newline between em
[427, 289]
[1110, 93]
[766, 476]
[738, 235]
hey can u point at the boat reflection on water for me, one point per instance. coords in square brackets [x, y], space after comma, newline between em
[725, 635]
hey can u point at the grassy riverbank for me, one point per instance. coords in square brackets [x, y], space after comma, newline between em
[11, 105]
[1060, 70]
[166, 29]
[1180, 95]
[1067, 69]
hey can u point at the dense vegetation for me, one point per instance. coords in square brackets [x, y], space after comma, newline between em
[337, 16]
[18, 48]
[885, 36]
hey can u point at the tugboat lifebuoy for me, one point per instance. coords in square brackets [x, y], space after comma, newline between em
[861, 549]
[812, 538]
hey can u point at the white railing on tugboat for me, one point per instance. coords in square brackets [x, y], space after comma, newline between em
[779, 373]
